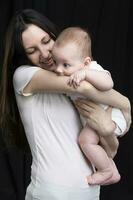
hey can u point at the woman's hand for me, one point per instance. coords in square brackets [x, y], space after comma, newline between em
[97, 118]
[110, 145]
[100, 120]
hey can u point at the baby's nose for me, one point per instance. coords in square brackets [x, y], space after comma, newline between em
[59, 70]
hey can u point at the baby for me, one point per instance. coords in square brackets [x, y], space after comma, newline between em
[72, 57]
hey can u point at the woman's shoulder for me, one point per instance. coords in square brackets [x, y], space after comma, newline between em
[26, 68]
[23, 75]
[24, 71]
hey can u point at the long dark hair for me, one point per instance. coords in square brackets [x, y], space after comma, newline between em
[14, 56]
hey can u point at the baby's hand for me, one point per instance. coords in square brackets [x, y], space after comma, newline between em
[76, 78]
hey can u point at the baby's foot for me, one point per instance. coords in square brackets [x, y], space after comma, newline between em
[115, 177]
[100, 177]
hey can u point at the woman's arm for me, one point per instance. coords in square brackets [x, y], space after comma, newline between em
[92, 110]
[44, 80]
[114, 99]
[110, 145]
[49, 81]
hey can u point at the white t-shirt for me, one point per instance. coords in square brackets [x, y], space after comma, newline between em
[52, 127]
[117, 115]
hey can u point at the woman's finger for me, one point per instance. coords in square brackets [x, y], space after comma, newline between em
[87, 102]
[83, 112]
[84, 107]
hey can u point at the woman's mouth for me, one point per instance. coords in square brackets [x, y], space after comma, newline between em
[48, 65]
[49, 62]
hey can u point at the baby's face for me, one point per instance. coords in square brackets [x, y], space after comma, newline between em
[66, 59]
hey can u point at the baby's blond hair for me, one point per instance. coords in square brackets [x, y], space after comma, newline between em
[78, 36]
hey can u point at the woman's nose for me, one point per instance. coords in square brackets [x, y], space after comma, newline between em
[44, 53]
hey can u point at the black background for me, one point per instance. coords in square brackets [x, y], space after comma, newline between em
[110, 23]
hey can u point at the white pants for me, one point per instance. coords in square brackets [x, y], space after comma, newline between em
[53, 192]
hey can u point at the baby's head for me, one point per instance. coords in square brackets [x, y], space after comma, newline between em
[71, 50]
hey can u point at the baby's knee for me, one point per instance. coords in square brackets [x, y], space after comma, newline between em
[82, 140]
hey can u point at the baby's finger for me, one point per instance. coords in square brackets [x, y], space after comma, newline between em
[75, 84]
[71, 81]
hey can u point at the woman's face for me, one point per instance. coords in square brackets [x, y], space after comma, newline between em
[38, 45]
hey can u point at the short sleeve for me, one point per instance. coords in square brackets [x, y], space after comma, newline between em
[95, 66]
[22, 77]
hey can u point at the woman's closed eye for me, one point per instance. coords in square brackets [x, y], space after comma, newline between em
[31, 51]
[46, 40]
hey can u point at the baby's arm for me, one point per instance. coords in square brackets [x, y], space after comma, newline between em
[100, 79]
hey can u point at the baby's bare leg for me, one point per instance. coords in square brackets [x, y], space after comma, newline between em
[115, 177]
[88, 141]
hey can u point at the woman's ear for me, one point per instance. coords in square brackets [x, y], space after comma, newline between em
[87, 61]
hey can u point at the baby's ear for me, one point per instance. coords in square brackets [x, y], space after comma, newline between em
[87, 61]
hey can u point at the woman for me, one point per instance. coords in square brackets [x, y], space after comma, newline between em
[59, 168]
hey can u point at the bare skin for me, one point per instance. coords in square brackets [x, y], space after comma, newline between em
[38, 46]
[110, 173]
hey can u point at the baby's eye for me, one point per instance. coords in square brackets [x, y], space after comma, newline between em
[66, 65]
